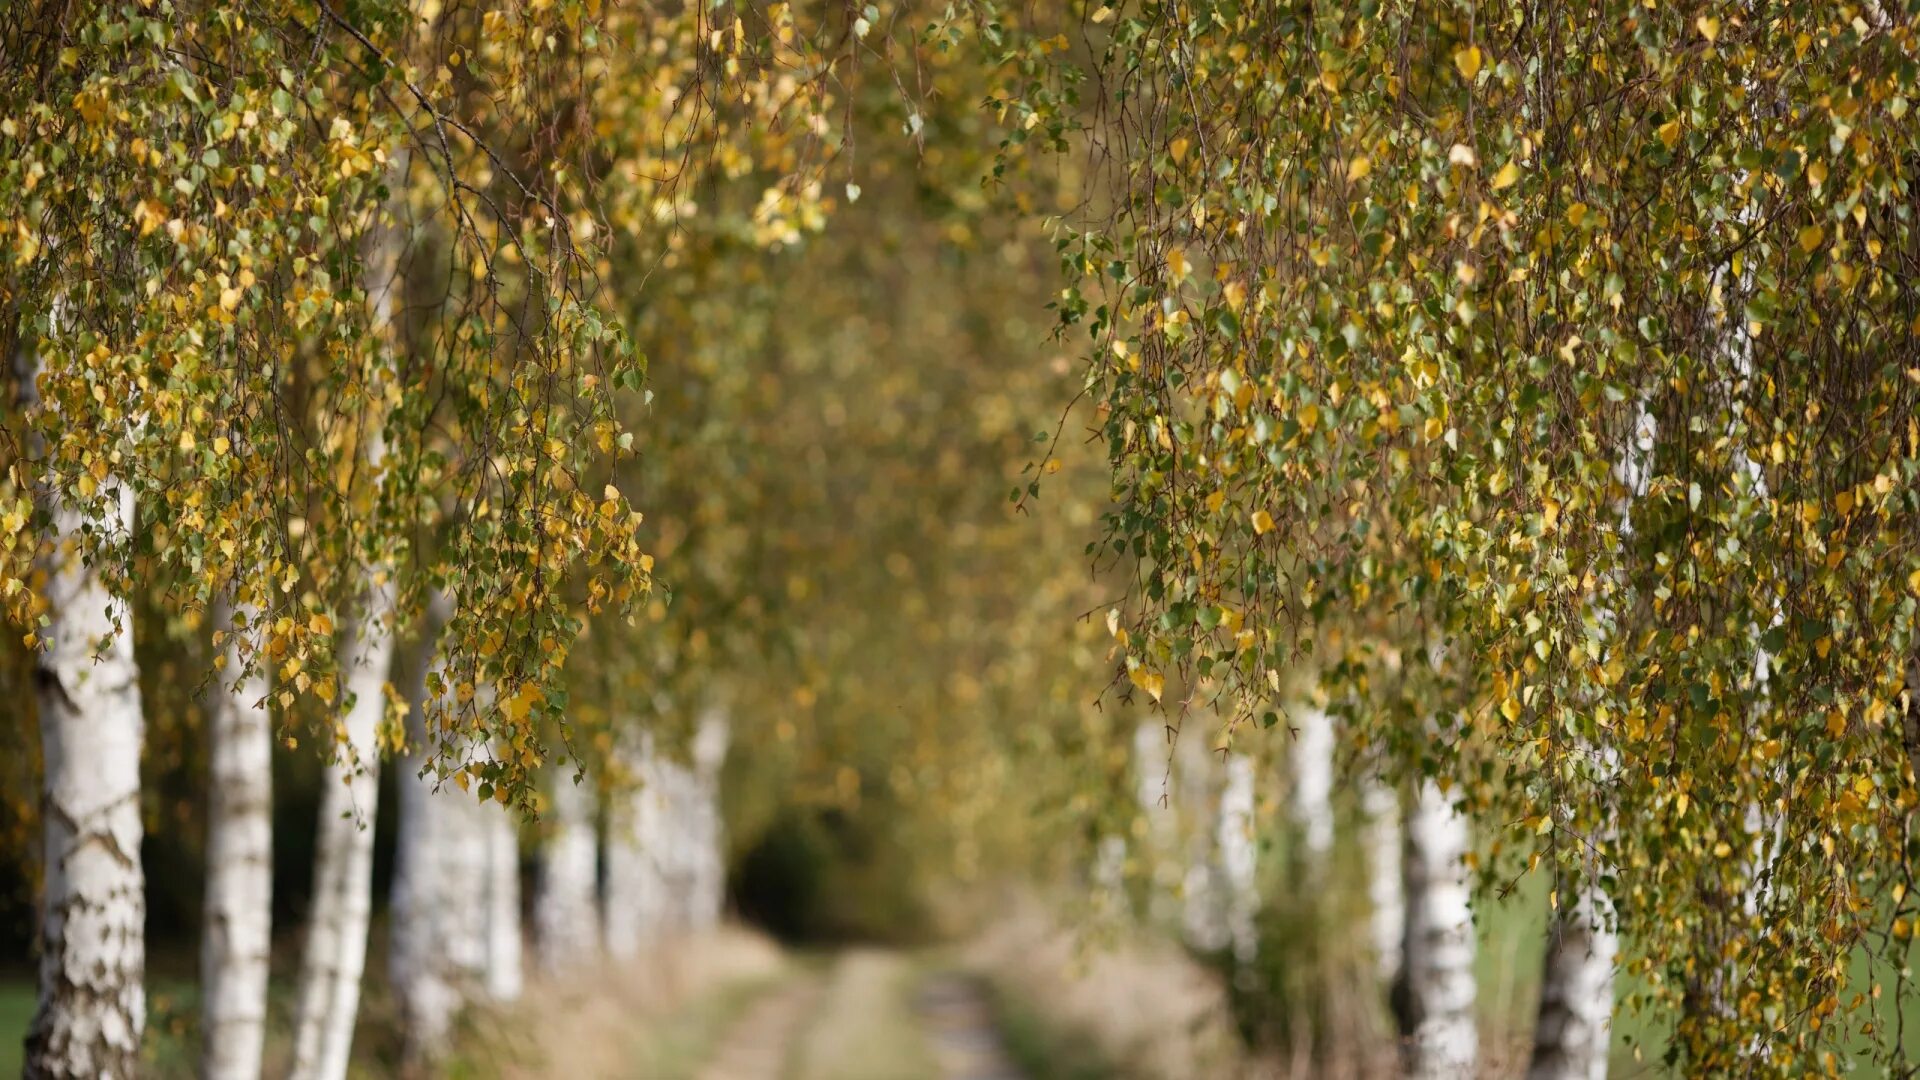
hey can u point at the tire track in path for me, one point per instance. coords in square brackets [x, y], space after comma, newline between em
[759, 1045]
[959, 1024]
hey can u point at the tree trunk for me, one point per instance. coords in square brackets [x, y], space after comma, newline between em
[675, 846]
[708, 827]
[336, 952]
[1387, 902]
[567, 916]
[92, 940]
[505, 964]
[1202, 910]
[1239, 853]
[1575, 1023]
[1438, 977]
[1571, 1039]
[238, 930]
[1313, 745]
[636, 885]
[1157, 840]
[438, 945]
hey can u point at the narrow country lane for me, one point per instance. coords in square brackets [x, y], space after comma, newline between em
[760, 1044]
[958, 1020]
[869, 1015]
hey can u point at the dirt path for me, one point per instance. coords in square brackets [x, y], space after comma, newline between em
[870, 1015]
[959, 1024]
[759, 1046]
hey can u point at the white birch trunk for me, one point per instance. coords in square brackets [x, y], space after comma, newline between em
[505, 964]
[567, 917]
[336, 950]
[417, 964]
[1202, 912]
[636, 885]
[1572, 1037]
[238, 924]
[92, 942]
[1239, 857]
[1439, 985]
[1158, 834]
[439, 952]
[1312, 760]
[1380, 804]
[676, 846]
[1575, 1024]
[709, 896]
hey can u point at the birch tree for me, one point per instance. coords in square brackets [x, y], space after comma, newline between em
[567, 909]
[237, 931]
[92, 939]
[336, 947]
[1365, 315]
[505, 963]
[1437, 974]
[1311, 757]
[1239, 850]
[1383, 847]
[212, 353]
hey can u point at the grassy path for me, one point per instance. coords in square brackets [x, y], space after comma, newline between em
[868, 1014]
[958, 1020]
[759, 1045]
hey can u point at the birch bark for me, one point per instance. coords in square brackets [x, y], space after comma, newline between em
[92, 942]
[238, 919]
[1444, 1042]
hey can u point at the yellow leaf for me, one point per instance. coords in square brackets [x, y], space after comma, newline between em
[1468, 61]
[1358, 168]
[1836, 724]
[1810, 237]
[1177, 264]
[1151, 681]
[1508, 175]
[1178, 148]
[1262, 522]
[1669, 133]
[1709, 27]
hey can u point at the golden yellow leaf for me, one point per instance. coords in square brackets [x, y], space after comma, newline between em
[1262, 522]
[1508, 175]
[1468, 61]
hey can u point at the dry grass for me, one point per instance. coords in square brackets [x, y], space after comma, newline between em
[608, 1022]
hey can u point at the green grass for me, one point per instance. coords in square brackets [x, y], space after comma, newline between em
[16, 1013]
